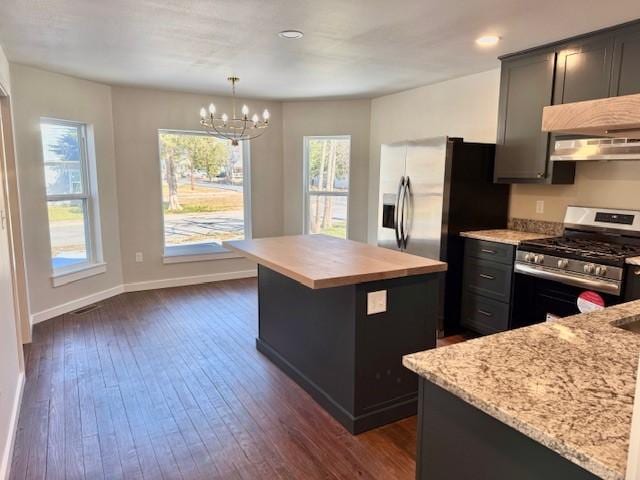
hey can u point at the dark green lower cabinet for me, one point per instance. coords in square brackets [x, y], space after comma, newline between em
[487, 286]
[457, 441]
[632, 283]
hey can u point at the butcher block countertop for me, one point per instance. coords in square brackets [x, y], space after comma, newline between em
[320, 261]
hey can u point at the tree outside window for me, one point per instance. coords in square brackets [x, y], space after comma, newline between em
[327, 184]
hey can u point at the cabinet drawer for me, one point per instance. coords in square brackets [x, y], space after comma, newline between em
[484, 315]
[496, 252]
[489, 279]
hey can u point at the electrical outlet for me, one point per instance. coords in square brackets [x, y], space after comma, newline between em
[376, 302]
[540, 206]
[139, 257]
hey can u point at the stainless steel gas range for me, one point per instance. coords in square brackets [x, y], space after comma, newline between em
[581, 270]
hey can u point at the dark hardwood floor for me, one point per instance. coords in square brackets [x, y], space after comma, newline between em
[168, 384]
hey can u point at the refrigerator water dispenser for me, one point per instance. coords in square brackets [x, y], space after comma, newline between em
[389, 210]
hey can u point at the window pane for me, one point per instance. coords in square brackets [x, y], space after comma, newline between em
[329, 164]
[328, 215]
[67, 231]
[62, 157]
[63, 179]
[202, 189]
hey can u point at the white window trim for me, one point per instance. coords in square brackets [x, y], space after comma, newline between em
[306, 194]
[72, 274]
[197, 253]
[93, 236]
[225, 253]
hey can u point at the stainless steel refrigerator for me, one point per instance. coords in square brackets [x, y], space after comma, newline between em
[430, 191]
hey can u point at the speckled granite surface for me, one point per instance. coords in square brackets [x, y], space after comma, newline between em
[633, 261]
[568, 384]
[512, 237]
[552, 229]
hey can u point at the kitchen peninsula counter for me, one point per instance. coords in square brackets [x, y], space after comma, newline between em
[554, 397]
[337, 316]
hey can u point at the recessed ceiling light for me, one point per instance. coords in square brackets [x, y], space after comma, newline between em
[291, 34]
[488, 40]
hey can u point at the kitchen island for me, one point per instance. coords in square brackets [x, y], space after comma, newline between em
[553, 400]
[337, 316]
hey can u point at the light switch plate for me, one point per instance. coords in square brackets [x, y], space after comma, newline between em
[376, 302]
[540, 206]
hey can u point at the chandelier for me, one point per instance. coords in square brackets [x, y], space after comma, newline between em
[234, 128]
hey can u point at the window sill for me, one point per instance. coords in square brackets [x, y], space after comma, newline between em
[196, 253]
[66, 276]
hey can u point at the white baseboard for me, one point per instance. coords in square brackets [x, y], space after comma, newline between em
[183, 281]
[7, 455]
[75, 304]
[135, 287]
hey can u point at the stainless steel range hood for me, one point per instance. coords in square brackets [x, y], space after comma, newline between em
[585, 149]
[607, 117]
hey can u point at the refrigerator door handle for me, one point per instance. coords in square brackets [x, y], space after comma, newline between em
[397, 219]
[406, 222]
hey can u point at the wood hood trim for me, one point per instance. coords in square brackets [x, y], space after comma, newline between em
[610, 117]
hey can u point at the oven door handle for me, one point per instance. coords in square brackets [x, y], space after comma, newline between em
[601, 285]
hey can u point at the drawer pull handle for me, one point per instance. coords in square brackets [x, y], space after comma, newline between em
[486, 250]
[637, 272]
[488, 277]
[485, 313]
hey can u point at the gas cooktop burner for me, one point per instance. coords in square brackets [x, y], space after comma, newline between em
[581, 248]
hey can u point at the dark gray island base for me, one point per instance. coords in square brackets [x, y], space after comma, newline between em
[348, 361]
[458, 441]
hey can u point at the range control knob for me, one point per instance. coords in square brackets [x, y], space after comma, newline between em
[589, 268]
[528, 257]
[601, 271]
[539, 259]
[563, 263]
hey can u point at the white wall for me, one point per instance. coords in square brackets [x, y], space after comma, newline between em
[597, 184]
[138, 114]
[38, 93]
[467, 107]
[11, 376]
[349, 117]
[463, 107]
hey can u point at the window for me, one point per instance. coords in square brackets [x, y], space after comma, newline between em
[326, 184]
[204, 201]
[71, 196]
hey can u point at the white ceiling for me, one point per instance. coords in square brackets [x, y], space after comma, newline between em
[351, 48]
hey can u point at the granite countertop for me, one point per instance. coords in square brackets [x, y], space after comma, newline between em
[512, 237]
[568, 385]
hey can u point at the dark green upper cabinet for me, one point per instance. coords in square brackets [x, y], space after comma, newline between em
[625, 78]
[526, 86]
[597, 65]
[583, 70]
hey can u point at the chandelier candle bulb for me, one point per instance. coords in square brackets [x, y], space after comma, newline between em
[212, 109]
[203, 113]
[265, 115]
[255, 119]
[225, 118]
[245, 111]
